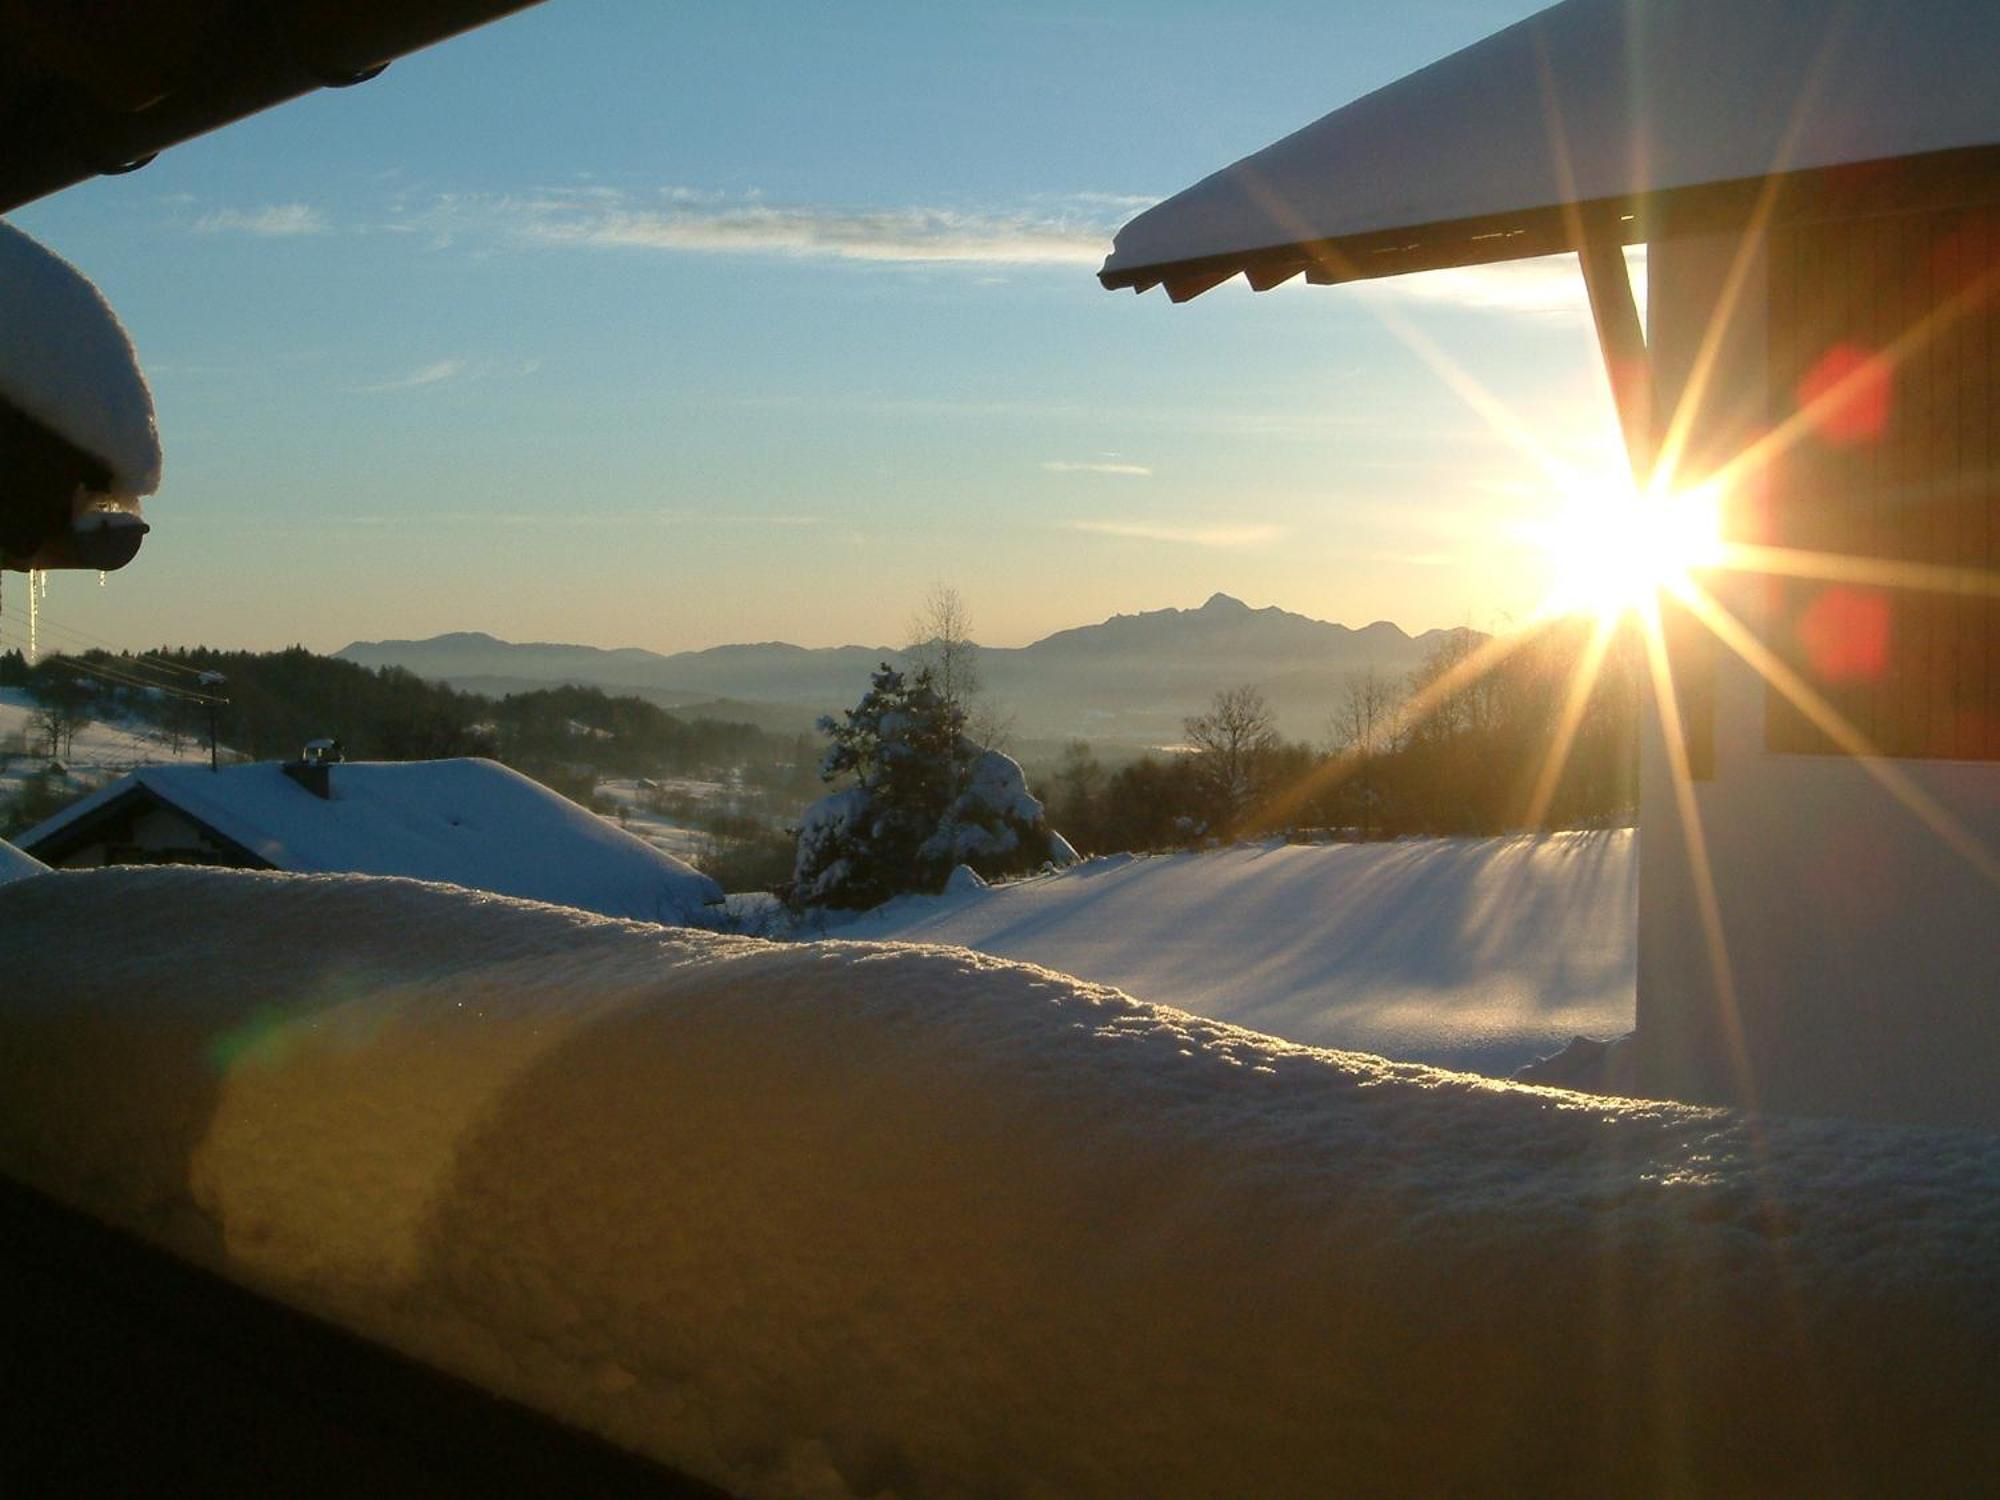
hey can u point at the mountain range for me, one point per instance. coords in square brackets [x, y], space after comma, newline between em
[1129, 679]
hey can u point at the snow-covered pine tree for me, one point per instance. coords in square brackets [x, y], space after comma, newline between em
[924, 799]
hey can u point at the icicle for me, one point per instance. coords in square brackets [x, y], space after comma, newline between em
[34, 616]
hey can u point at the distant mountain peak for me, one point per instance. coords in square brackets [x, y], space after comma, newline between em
[1225, 603]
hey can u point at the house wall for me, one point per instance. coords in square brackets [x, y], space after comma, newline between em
[1860, 938]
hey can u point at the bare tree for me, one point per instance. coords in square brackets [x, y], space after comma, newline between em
[1232, 742]
[940, 639]
[62, 706]
[1361, 729]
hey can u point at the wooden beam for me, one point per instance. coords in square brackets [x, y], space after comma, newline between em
[1622, 340]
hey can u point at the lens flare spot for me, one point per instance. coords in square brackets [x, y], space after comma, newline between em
[1846, 634]
[1848, 395]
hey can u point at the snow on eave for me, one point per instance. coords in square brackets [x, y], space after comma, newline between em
[1486, 154]
[66, 362]
[15, 865]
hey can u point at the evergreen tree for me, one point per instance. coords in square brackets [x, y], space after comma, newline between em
[923, 799]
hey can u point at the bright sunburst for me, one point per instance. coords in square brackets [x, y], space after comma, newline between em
[1613, 546]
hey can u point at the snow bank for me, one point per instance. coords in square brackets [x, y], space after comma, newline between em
[831, 1219]
[66, 362]
[14, 865]
[1480, 954]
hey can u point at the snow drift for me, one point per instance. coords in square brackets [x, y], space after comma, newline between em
[841, 1218]
[1472, 954]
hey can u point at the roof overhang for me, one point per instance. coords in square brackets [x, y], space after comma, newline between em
[102, 86]
[1596, 120]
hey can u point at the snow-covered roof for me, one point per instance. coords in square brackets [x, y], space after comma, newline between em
[470, 822]
[66, 362]
[1486, 154]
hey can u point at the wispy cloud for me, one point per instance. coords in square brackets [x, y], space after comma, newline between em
[437, 372]
[1079, 466]
[1069, 231]
[274, 221]
[1187, 536]
[630, 521]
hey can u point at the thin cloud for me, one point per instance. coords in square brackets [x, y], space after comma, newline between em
[1073, 466]
[1186, 536]
[1072, 232]
[435, 373]
[442, 370]
[274, 221]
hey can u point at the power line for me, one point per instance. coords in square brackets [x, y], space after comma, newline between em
[130, 662]
[111, 675]
[42, 622]
[120, 679]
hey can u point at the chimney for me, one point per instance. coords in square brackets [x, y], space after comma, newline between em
[313, 770]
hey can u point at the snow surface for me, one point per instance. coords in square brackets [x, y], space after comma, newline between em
[14, 865]
[847, 1219]
[470, 822]
[65, 361]
[1479, 954]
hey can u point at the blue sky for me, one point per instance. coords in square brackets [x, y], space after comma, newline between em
[629, 323]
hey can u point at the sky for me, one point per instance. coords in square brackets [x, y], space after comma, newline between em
[626, 323]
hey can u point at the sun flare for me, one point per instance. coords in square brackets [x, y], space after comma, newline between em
[1612, 547]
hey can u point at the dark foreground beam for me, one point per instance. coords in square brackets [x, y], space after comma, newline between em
[132, 1373]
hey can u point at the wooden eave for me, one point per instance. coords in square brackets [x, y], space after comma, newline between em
[89, 87]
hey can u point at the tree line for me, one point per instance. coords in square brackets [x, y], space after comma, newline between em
[1488, 735]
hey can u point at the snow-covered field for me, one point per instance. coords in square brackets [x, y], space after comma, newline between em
[100, 752]
[1476, 954]
[853, 1219]
[631, 796]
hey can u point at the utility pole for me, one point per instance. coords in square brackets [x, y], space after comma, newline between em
[211, 681]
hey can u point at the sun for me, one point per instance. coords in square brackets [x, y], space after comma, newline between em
[1612, 546]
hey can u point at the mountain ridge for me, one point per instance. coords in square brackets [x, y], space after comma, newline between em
[1131, 676]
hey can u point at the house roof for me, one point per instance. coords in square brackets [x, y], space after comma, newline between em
[1594, 109]
[96, 86]
[469, 822]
